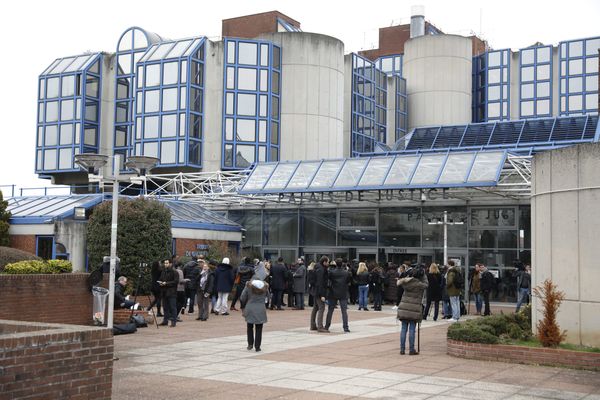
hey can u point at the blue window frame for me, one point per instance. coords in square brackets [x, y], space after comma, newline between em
[251, 103]
[578, 85]
[68, 122]
[284, 26]
[132, 44]
[491, 86]
[391, 65]
[401, 108]
[535, 86]
[169, 97]
[369, 104]
[45, 247]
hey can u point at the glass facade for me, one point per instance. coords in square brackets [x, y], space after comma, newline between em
[251, 103]
[169, 107]
[369, 103]
[535, 91]
[69, 99]
[401, 123]
[578, 83]
[491, 86]
[391, 65]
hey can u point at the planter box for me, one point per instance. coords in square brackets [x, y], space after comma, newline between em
[524, 355]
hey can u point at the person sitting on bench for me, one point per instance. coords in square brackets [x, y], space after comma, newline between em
[120, 300]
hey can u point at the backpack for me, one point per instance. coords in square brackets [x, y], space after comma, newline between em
[459, 280]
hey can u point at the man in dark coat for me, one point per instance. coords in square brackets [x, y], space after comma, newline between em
[169, 279]
[223, 285]
[191, 271]
[120, 300]
[486, 284]
[300, 284]
[278, 275]
[244, 272]
[339, 279]
[318, 287]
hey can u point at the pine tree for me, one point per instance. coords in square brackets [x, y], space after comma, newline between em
[4, 225]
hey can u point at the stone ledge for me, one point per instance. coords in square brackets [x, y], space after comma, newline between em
[524, 355]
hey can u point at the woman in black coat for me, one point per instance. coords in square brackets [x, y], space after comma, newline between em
[155, 272]
[434, 291]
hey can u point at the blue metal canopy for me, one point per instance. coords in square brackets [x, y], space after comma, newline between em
[410, 171]
[186, 214]
[528, 136]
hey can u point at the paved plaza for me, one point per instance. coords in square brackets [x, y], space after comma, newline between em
[209, 360]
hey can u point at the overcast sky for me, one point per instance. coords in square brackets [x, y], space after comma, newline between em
[35, 33]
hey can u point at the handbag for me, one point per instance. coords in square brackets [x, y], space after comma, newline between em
[139, 320]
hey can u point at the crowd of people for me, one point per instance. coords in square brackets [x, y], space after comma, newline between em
[335, 284]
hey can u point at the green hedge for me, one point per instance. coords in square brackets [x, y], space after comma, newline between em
[494, 329]
[39, 267]
[9, 255]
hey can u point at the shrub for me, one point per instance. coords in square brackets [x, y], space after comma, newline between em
[143, 236]
[548, 331]
[39, 267]
[500, 327]
[4, 217]
[471, 332]
[9, 255]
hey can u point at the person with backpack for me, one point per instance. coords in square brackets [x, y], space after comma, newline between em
[486, 284]
[454, 284]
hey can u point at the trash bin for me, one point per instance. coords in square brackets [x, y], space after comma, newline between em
[99, 306]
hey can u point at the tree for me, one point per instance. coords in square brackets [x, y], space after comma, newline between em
[548, 331]
[4, 225]
[143, 236]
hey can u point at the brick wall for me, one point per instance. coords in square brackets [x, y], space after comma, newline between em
[52, 361]
[60, 298]
[251, 26]
[23, 242]
[524, 355]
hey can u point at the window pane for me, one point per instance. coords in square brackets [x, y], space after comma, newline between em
[170, 73]
[51, 135]
[228, 128]
[274, 133]
[122, 88]
[52, 111]
[246, 78]
[276, 57]
[543, 54]
[151, 149]
[184, 72]
[433, 235]
[152, 101]
[152, 75]
[262, 153]
[89, 136]
[262, 131]
[150, 127]
[246, 104]
[280, 228]
[264, 55]
[494, 76]
[264, 84]
[575, 84]
[247, 53]
[181, 151]
[492, 217]
[68, 86]
[527, 91]
[182, 97]
[41, 89]
[543, 89]
[66, 134]
[262, 110]
[124, 64]
[51, 88]
[121, 136]
[244, 156]
[494, 93]
[358, 218]
[182, 125]
[494, 59]
[91, 86]
[575, 67]
[168, 152]
[231, 52]
[400, 227]
[230, 78]
[50, 160]
[543, 107]
[65, 158]
[246, 130]
[575, 49]
[169, 125]
[66, 110]
[275, 107]
[591, 82]
[318, 226]
[527, 56]
[591, 65]
[543, 72]
[195, 126]
[493, 110]
[169, 101]
[527, 74]
[229, 103]
[275, 83]
[91, 112]
[591, 101]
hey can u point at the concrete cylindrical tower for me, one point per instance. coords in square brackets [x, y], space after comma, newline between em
[312, 95]
[438, 72]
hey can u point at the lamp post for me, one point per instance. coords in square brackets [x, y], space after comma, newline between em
[93, 164]
[445, 222]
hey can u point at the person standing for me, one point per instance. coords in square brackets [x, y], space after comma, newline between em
[362, 280]
[180, 290]
[252, 301]
[434, 291]
[339, 280]
[223, 285]
[401, 273]
[206, 284]
[244, 274]
[377, 282]
[278, 275]
[169, 279]
[487, 284]
[300, 284]
[191, 271]
[318, 287]
[410, 308]
[310, 273]
[453, 287]
[475, 289]
[523, 286]
[353, 284]
[155, 272]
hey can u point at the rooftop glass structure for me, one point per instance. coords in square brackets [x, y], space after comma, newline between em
[186, 214]
[578, 83]
[391, 65]
[69, 99]
[251, 103]
[464, 169]
[169, 100]
[45, 209]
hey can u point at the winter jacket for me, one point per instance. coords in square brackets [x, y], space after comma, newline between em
[171, 279]
[320, 287]
[362, 278]
[377, 280]
[253, 303]
[224, 278]
[300, 279]
[339, 279]
[209, 285]
[434, 290]
[119, 298]
[475, 283]
[245, 272]
[523, 280]
[260, 272]
[450, 279]
[191, 271]
[278, 275]
[181, 283]
[411, 308]
[487, 281]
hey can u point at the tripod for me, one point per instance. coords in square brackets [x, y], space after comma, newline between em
[137, 288]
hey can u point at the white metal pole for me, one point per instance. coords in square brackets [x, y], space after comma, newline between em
[445, 237]
[113, 240]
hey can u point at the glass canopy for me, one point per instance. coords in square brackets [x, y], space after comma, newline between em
[70, 64]
[186, 214]
[173, 49]
[42, 209]
[408, 171]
